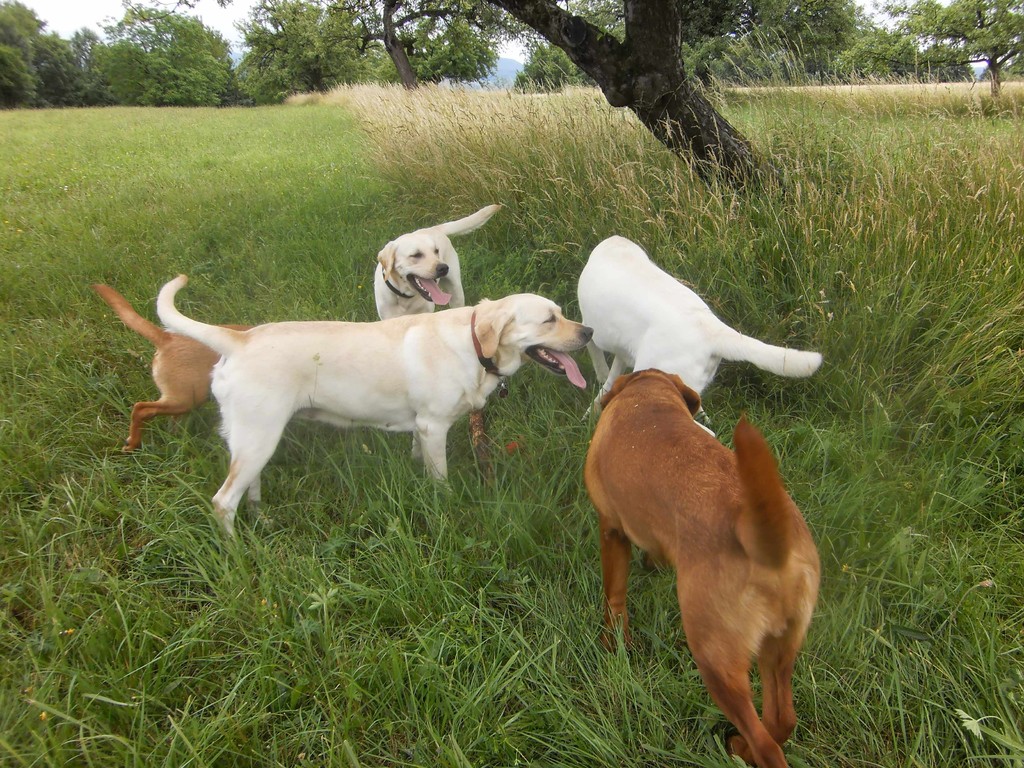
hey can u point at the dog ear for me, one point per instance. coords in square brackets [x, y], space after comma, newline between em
[386, 257]
[690, 397]
[490, 324]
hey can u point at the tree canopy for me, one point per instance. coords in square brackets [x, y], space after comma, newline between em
[165, 59]
[299, 46]
[432, 40]
[964, 32]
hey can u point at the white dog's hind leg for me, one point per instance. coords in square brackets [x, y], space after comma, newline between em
[251, 449]
[254, 496]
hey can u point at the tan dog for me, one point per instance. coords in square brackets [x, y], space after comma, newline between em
[416, 373]
[181, 367]
[746, 567]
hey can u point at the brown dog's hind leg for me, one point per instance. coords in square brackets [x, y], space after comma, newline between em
[143, 412]
[728, 682]
[776, 662]
[615, 552]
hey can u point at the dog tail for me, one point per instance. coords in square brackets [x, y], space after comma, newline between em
[765, 526]
[129, 316]
[471, 222]
[785, 362]
[216, 337]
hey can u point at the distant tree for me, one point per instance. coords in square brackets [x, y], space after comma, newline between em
[883, 53]
[295, 45]
[86, 46]
[432, 39]
[777, 39]
[814, 32]
[548, 68]
[58, 77]
[16, 82]
[452, 49]
[962, 32]
[20, 28]
[165, 59]
[880, 52]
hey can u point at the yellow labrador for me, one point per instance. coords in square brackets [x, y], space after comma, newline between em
[647, 319]
[406, 282]
[416, 373]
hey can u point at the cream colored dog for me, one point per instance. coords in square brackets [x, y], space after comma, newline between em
[416, 373]
[406, 283]
[647, 319]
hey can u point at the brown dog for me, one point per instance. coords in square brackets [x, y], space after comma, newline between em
[746, 567]
[181, 367]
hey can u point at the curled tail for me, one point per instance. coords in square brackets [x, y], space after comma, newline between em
[780, 360]
[218, 338]
[471, 222]
[129, 316]
[764, 527]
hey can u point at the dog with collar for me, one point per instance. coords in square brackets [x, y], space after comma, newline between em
[646, 318]
[747, 570]
[413, 267]
[416, 373]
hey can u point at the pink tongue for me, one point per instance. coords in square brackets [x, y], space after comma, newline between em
[436, 294]
[572, 371]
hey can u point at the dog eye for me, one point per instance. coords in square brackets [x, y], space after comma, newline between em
[437, 251]
[551, 319]
[416, 255]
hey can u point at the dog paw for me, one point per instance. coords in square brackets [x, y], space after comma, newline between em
[738, 746]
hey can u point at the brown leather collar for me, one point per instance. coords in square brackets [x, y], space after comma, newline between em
[486, 362]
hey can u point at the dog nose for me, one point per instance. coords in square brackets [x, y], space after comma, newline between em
[442, 270]
[586, 333]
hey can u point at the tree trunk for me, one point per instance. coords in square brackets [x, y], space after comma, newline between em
[996, 78]
[682, 119]
[394, 46]
[646, 74]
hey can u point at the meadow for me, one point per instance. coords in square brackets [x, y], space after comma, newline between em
[369, 617]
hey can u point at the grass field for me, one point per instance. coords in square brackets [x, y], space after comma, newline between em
[368, 617]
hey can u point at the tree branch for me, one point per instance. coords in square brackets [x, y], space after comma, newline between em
[592, 49]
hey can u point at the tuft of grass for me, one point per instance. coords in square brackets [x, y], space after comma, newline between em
[367, 617]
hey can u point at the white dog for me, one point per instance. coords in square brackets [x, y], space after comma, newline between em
[406, 283]
[416, 373]
[647, 319]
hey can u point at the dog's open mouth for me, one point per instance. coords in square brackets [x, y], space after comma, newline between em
[429, 289]
[558, 363]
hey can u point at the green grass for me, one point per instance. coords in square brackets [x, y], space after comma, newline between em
[368, 617]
